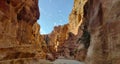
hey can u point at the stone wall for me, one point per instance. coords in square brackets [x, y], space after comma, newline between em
[103, 19]
[19, 31]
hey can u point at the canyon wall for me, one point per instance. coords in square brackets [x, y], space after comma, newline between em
[76, 16]
[64, 41]
[19, 31]
[103, 20]
[93, 31]
[92, 34]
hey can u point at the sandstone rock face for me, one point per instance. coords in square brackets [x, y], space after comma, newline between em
[103, 19]
[76, 16]
[64, 40]
[94, 25]
[26, 61]
[62, 43]
[19, 31]
[56, 38]
[92, 34]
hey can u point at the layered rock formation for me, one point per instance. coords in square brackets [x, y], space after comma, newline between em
[92, 34]
[65, 40]
[56, 38]
[19, 31]
[93, 23]
[76, 16]
[103, 18]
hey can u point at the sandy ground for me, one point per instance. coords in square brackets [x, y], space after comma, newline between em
[65, 61]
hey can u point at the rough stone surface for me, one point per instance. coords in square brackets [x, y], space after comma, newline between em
[103, 19]
[64, 40]
[76, 16]
[56, 38]
[92, 34]
[19, 31]
[26, 61]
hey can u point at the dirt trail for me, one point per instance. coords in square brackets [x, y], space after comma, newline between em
[66, 61]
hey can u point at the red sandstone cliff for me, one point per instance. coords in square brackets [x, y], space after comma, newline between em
[64, 40]
[93, 30]
[19, 31]
[92, 34]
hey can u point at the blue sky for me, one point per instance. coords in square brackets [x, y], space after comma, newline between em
[53, 13]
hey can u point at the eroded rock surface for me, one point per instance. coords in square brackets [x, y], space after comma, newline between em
[92, 34]
[19, 31]
[68, 40]
[103, 19]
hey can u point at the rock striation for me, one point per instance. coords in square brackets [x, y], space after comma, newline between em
[66, 41]
[103, 18]
[76, 16]
[91, 36]
[19, 31]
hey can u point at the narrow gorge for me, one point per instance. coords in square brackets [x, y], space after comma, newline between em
[92, 35]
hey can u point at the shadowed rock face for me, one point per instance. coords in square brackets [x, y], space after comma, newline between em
[70, 37]
[92, 34]
[103, 19]
[94, 25]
